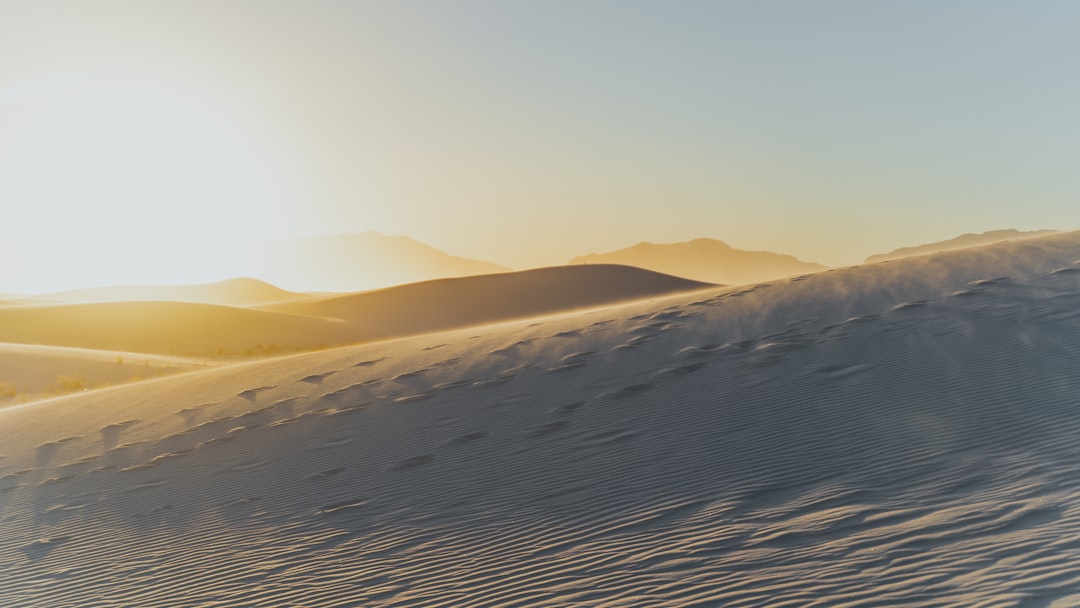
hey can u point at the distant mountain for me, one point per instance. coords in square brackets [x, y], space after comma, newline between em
[231, 292]
[706, 260]
[359, 261]
[960, 242]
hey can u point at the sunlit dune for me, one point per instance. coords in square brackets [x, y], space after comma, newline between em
[232, 292]
[184, 328]
[31, 371]
[887, 434]
[187, 328]
[706, 260]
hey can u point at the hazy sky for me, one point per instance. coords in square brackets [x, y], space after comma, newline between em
[148, 137]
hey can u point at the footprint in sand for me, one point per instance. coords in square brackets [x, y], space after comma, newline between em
[838, 371]
[630, 391]
[608, 437]
[54, 480]
[569, 408]
[369, 362]
[216, 441]
[252, 393]
[414, 462]
[463, 439]
[502, 379]
[353, 409]
[964, 293]
[42, 546]
[547, 429]
[911, 305]
[241, 429]
[414, 398]
[571, 333]
[1066, 270]
[247, 500]
[450, 385]
[317, 378]
[342, 507]
[324, 474]
[330, 444]
[675, 371]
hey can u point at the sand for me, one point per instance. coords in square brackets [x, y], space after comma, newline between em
[39, 371]
[896, 434]
[205, 329]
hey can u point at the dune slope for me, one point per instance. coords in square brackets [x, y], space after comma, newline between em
[34, 369]
[447, 303]
[900, 434]
[204, 329]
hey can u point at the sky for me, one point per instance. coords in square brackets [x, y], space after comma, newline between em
[158, 141]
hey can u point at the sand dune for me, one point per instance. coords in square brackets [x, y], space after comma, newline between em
[183, 328]
[358, 261]
[960, 242]
[231, 292]
[706, 260]
[446, 303]
[900, 435]
[34, 371]
[187, 328]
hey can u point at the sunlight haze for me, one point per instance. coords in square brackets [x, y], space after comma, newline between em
[156, 143]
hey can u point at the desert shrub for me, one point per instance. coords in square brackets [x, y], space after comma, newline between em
[70, 383]
[8, 390]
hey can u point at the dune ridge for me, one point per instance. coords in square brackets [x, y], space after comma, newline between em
[189, 328]
[898, 434]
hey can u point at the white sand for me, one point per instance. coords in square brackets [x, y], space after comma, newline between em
[897, 434]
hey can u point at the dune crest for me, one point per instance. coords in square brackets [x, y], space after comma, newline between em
[897, 434]
[188, 328]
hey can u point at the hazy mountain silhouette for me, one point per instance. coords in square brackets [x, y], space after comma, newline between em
[964, 240]
[706, 260]
[359, 261]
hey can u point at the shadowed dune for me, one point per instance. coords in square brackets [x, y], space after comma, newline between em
[884, 435]
[431, 305]
[706, 260]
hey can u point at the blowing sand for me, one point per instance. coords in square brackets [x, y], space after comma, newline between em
[895, 434]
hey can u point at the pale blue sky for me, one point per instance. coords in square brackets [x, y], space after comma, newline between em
[529, 132]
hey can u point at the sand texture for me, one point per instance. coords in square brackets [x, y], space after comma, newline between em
[901, 434]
